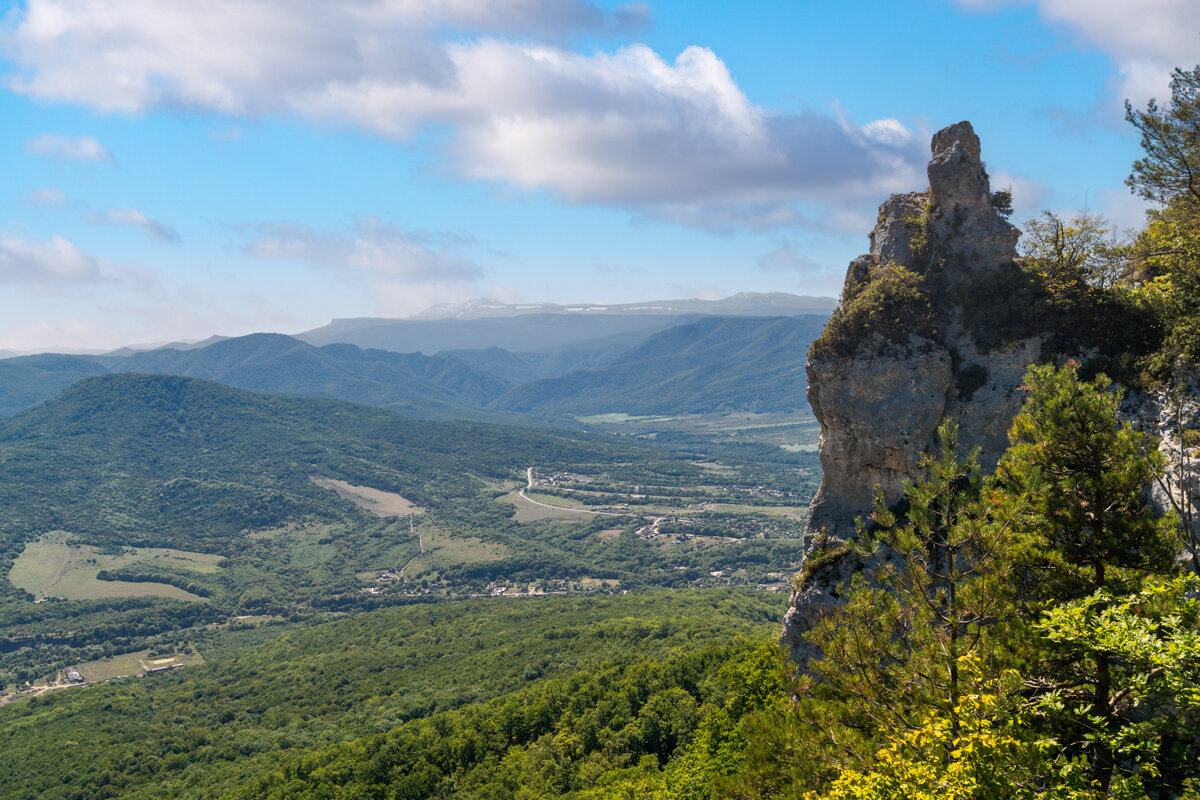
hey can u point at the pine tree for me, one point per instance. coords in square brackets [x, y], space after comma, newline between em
[1096, 535]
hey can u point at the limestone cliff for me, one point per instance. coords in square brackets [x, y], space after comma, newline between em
[922, 333]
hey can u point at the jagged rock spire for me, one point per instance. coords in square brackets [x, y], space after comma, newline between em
[879, 407]
[965, 226]
[953, 225]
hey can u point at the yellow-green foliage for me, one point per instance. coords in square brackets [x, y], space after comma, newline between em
[888, 309]
[992, 757]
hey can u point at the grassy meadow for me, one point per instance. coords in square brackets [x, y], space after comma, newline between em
[54, 567]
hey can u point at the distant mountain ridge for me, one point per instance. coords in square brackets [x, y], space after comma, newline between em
[748, 304]
[520, 334]
[632, 363]
[429, 387]
[546, 327]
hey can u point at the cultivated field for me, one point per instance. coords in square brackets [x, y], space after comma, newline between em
[376, 501]
[131, 664]
[441, 549]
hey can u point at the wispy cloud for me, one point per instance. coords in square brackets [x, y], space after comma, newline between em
[131, 217]
[127, 217]
[48, 196]
[383, 250]
[68, 148]
[786, 258]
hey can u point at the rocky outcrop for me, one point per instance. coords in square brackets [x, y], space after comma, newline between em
[876, 416]
[880, 405]
[967, 228]
[1166, 416]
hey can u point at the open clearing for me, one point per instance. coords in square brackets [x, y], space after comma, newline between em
[795, 512]
[130, 664]
[376, 501]
[54, 568]
[441, 549]
[619, 416]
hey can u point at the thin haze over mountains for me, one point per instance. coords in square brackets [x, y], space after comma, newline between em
[490, 362]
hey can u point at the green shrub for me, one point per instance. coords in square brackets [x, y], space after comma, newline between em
[888, 309]
[920, 237]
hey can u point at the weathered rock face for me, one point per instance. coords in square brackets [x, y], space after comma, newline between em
[1165, 416]
[876, 416]
[879, 409]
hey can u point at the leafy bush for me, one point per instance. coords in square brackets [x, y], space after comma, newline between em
[888, 309]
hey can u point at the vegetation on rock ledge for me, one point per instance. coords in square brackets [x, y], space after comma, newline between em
[888, 309]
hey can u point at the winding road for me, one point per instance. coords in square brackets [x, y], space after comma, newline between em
[529, 486]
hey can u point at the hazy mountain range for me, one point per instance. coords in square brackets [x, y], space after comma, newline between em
[545, 328]
[486, 362]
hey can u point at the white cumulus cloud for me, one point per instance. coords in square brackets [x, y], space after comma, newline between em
[255, 56]
[52, 263]
[675, 140]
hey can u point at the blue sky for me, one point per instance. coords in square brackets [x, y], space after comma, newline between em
[176, 170]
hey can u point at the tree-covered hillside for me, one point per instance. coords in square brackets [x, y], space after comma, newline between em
[713, 364]
[138, 507]
[171, 461]
[454, 687]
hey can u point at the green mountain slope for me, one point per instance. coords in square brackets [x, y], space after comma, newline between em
[427, 386]
[28, 380]
[713, 364]
[92, 459]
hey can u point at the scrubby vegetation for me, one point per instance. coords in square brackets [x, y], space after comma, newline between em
[884, 311]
